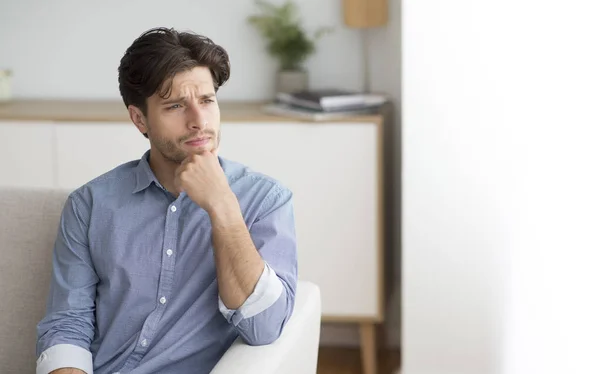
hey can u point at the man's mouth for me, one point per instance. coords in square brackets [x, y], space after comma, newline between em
[198, 142]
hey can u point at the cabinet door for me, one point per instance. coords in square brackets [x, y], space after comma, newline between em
[88, 150]
[27, 154]
[332, 171]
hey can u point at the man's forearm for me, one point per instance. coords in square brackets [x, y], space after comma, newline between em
[238, 263]
[68, 371]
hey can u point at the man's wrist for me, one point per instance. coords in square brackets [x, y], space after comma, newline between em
[68, 371]
[225, 211]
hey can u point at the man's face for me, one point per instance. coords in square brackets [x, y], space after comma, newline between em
[188, 121]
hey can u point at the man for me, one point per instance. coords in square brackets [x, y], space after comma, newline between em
[162, 262]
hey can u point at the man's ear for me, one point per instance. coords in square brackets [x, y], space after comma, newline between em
[138, 118]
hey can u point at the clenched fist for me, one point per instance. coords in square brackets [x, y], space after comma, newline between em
[203, 180]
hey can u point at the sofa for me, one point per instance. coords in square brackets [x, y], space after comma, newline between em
[28, 226]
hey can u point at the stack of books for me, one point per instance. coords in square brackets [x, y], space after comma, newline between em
[325, 104]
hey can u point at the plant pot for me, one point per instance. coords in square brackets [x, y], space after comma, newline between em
[5, 85]
[291, 80]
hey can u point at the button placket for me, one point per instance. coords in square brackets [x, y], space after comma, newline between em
[165, 285]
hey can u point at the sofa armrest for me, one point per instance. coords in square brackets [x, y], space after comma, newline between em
[296, 350]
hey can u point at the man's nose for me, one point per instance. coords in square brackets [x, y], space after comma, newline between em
[196, 118]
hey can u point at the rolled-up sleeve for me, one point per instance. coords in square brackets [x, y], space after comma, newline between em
[65, 333]
[263, 315]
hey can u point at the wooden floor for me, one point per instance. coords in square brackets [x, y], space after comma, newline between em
[333, 360]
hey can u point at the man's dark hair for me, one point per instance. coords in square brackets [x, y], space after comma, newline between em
[151, 62]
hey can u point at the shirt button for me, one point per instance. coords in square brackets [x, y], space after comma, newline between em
[169, 252]
[163, 300]
[173, 208]
[144, 343]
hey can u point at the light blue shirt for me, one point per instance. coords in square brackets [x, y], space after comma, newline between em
[134, 287]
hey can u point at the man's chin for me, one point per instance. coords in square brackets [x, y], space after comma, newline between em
[199, 150]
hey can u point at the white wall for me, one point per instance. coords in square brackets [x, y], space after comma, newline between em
[501, 187]
[71, 49]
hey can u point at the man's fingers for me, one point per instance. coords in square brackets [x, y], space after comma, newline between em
[180, 168]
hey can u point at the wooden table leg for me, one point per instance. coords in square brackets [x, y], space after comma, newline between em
[368, 348]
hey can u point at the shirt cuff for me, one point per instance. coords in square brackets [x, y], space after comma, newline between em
[64, 356]
[266, 293]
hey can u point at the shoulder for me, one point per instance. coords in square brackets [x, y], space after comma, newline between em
[243, 176]
[256, 191]
[116, 182]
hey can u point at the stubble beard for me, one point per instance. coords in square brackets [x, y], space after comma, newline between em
[171, 152]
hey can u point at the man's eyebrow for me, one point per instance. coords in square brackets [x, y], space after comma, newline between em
[183, 98]
[173, 101]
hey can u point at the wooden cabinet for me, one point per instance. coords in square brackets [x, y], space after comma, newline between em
[332, 170]
[27, 154]
[87, 150]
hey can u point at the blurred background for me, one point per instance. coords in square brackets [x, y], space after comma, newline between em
[488, 254]
[71, 49]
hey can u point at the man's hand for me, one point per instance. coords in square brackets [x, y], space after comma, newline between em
[68, 371]
[238, 263]
[203, 179]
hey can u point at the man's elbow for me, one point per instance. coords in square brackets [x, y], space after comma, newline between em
[68, 371]
[266, 328]
[263, 337]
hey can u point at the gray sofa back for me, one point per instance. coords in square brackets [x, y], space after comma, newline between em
[28, 226]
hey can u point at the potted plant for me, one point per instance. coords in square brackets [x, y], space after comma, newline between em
[287, 41]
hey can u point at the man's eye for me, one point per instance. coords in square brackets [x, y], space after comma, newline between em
[208, 101]
[175, 106]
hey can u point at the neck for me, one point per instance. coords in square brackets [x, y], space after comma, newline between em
[164, 170]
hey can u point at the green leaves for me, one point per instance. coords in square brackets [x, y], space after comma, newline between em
[287, 41]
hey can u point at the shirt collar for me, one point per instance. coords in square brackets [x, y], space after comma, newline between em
[143, 174]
